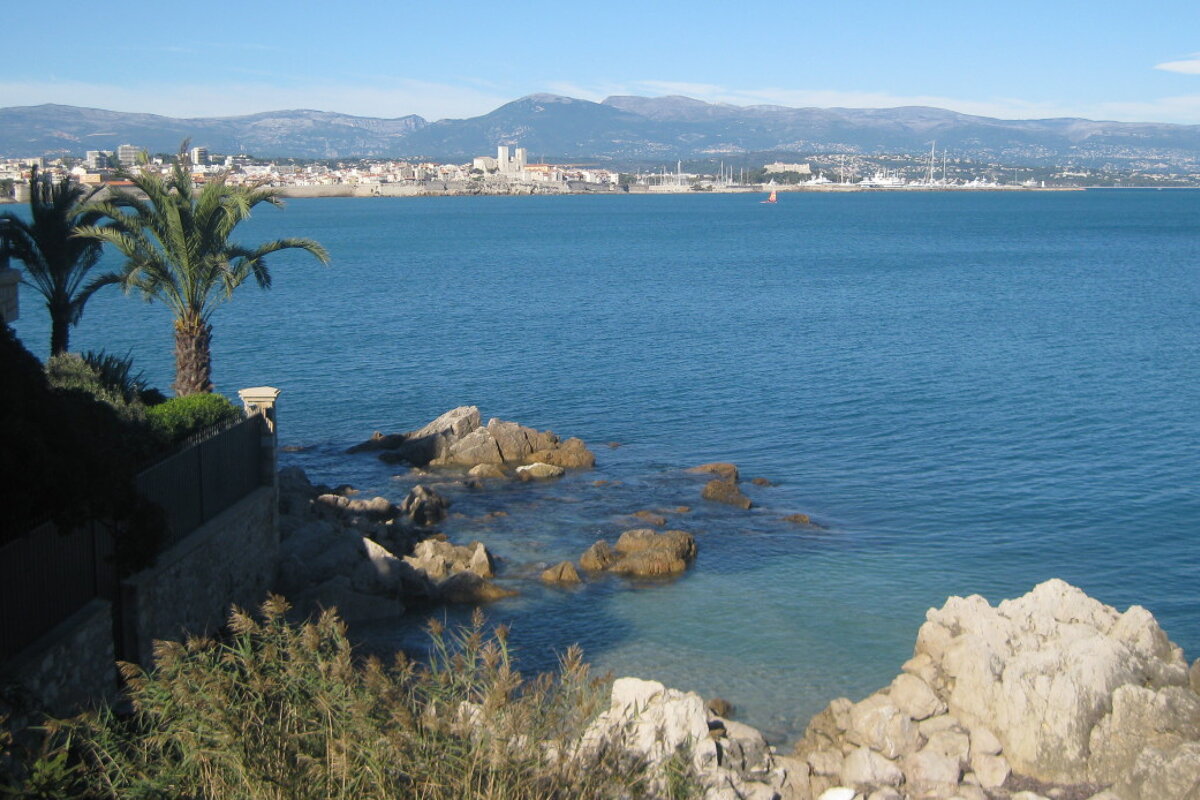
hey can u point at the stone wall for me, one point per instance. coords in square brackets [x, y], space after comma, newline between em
[231, 560]
[72, 665]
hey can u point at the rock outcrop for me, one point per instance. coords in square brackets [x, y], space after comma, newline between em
[726, 759]
[642, 553]
[371, 558]
[721, 491]
[459, 439]
[722, 469]
[1052, 686]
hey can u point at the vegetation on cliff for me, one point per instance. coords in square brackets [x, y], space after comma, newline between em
[285, 711]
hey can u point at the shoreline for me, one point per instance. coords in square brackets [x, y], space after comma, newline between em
[413, 191]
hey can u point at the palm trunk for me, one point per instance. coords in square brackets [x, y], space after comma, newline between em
[193, 355]
[60, 333]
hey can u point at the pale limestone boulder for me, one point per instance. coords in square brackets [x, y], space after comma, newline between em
[653, 721]
[878, 724]
[1141, 718]
[991, 770]
[953, 742]
[745, 751]
[935, 725]
[886, 793]
[487, 471]
[838, 793]
[914, 697]
[540, 470]
[826, 762]
[969, 792]
[866, 767]
[984, 742]
[1041, 669]
[1163, 771]
[929, 768]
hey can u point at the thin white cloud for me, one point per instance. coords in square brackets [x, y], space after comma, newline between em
[1188, 66]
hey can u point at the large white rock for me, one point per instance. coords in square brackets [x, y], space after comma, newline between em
[1040, 670]
[914, 697]
[878, 724]
[866, 767]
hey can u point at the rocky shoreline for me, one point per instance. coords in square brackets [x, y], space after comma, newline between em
[1052, 695]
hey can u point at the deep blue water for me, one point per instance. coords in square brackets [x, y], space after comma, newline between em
[973, 392]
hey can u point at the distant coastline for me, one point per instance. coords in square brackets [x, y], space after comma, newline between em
[426, 190]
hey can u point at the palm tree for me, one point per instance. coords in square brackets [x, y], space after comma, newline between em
[56, 261]
[177, 250]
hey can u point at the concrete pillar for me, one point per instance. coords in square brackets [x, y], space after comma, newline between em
[261, 400]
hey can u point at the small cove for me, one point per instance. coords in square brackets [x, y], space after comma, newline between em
[973, 392]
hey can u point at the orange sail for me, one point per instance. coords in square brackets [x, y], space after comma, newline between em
[772, 198]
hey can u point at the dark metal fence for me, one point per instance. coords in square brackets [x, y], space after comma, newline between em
[45, 577]
[200, 482]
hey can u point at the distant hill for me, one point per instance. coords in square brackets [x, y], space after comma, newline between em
[70, 130]
[619, 130]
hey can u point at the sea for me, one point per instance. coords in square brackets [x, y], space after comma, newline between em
[969, 392]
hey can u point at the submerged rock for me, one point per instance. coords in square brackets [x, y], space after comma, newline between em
[723, 470]
[723, 491]
[642, 553]
[598, 557]
[563, 573]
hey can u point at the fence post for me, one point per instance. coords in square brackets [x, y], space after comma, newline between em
[261, 400]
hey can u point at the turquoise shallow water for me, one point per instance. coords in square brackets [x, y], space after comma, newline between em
[973, 392]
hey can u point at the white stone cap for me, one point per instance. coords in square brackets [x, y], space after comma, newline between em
[260, 400]
[259, 394]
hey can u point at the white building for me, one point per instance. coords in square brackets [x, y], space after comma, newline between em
[779, 166]
[127, 155]
[199, 155]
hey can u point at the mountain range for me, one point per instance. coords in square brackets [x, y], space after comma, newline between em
[621, 130]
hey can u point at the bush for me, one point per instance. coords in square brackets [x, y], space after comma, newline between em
[69, 457]
[281, 711]
[105, 378]
[180, 417]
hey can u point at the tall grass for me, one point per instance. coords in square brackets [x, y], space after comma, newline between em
[280, 711]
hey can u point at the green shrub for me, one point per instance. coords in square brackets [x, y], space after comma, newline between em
[180, 417]
[105, 378]
[284, 712]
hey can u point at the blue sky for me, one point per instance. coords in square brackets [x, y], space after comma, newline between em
[1018, 59]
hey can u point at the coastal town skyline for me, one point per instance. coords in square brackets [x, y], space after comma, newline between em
[1020, 60]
